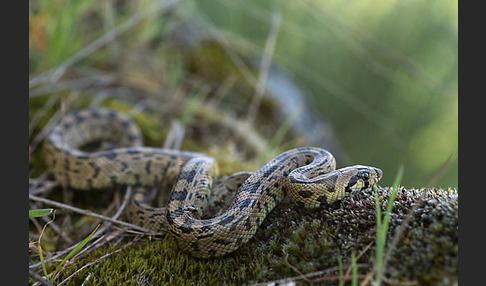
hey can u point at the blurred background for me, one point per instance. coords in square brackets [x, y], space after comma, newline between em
[374, 82]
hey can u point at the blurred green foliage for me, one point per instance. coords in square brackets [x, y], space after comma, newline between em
[56, 33]
[383, 73]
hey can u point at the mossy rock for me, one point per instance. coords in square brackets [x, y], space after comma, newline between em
[309, 241]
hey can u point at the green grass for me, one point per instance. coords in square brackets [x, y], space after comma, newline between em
[52, 276]
[40, 212]
[354, 281]
[382, 226]
[57, 38]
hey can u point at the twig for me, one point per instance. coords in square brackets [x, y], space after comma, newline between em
[51, 123]
[292, 27]
[73, 84]
[400, 283]
[101, 230]
[120, 210]
[335, 277]
[225, 44]
[175, 136]
[36, 224]
[264, 68]
[308, 275]
[87, 278]
[39, 278]
[223, 89]
[91, 263]
[348, 271]
[42, 111]
[401, 228]
[88, 213]
[239, 129]
[53, 76]
[58, 230]
[293, 267]
[47, 185]
[367, 278]
[107, 224]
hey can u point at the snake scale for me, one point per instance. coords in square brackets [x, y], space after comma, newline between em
[307, 175]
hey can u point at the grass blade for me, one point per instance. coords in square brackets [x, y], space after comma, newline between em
[41, 256]
[341, 274]
[40, 212]
[382, 225]
[75, 251]
[354, 280]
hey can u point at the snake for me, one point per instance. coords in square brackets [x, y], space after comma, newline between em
[306, 175]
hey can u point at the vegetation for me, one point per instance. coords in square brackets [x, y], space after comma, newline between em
[382, 78]
[292, 242]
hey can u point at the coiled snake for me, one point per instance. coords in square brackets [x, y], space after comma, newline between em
[307, 175]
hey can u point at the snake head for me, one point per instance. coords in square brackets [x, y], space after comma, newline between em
[360, 178]
[333, 186]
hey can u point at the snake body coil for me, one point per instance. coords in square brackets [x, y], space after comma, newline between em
[307, 175]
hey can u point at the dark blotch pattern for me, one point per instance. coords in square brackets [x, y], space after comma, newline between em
[227, 220]
[305, 194]
[245, 203]
[178, 195]
[109, 155]
[323, 200]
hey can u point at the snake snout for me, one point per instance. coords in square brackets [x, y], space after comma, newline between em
[361, 177]
[379, 173]
[371, 174]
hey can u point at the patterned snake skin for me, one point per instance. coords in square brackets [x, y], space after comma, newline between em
[307, 175]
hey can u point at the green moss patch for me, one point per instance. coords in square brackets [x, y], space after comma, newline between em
[309, 241]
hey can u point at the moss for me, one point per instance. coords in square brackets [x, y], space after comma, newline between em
[430, 242]
[313, 240]
[157, 263]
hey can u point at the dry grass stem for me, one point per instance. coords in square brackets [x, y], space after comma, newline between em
[93, 262]
[108, 37]
[350, 268]
[88, 213]
[100, 231]
[55, 118]
[302, 276]
[175, 136]
[36, 276]
[264, 68]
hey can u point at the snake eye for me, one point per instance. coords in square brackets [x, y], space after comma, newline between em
[365, 175]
